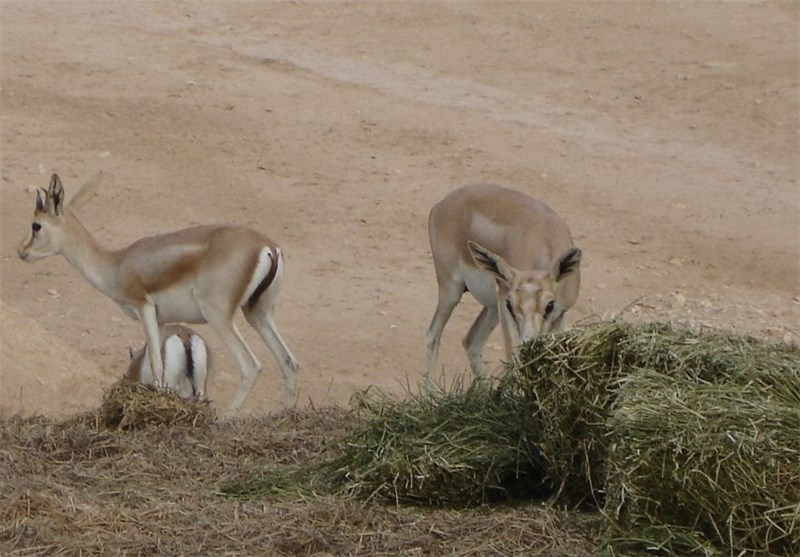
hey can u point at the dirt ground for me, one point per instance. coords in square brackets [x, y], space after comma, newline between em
[665, 133]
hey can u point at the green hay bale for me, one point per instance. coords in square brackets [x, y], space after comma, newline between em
[459, 448]
[720, 459]
[573, 378]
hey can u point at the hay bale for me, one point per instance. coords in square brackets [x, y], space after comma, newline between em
[710, 463]
[574, 379]
[129, 405]
[458, 448]
[690, 440]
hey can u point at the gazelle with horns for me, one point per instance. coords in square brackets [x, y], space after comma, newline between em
[202, 274]
[514, 254]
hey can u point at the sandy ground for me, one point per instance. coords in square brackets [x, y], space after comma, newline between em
[665, 133]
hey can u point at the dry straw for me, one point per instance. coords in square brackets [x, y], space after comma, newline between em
[129, 405]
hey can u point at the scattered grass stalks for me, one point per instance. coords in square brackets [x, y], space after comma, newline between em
[447, 448]
[276, 483]
[689, 440]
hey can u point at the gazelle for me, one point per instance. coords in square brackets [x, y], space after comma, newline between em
[201, 274]
[514, 254]
[186, 361]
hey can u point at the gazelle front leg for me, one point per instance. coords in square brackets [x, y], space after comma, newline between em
[149, 320]
[476, 339]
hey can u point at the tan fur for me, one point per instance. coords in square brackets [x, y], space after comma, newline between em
[505, 248]
[195, 275]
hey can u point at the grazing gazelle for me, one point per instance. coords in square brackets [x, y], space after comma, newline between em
[514, 254]
[202, 274]
[186, 362]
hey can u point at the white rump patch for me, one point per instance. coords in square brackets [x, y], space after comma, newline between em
[262, 268]
[199, 354]
[175, 363]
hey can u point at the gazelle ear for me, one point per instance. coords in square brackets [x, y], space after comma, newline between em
[55, 196]
[491, 262]
[567, 263]
[41, 195]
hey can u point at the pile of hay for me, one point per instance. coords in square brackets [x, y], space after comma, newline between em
[690, 441]
[455, 448]
[128, 405]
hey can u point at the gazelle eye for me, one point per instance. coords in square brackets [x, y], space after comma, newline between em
[36, 227]
[548, 309]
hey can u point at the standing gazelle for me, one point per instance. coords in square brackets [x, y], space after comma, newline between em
[201, 274]
[514, 254]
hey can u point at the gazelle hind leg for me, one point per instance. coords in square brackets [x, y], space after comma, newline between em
[449, 296]
[249, 366]
[476, 339]
[261, 320]
[259, 316]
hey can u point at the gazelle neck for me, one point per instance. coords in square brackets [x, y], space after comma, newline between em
[93, 261]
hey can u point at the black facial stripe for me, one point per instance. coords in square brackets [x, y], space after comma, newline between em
[510, 308]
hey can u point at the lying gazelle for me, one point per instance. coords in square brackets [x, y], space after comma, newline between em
[516, 257]
[186, 361]
[201, 274]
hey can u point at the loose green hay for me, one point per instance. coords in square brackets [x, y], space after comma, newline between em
[455, 448]
[276, 483]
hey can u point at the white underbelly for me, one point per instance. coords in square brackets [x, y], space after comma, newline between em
[177, 305]
[481, 285]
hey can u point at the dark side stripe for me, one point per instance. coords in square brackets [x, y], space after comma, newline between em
[189, 358]
[264, 284]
